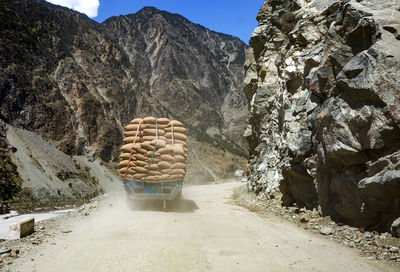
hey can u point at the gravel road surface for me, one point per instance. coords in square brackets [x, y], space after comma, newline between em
[206, 232]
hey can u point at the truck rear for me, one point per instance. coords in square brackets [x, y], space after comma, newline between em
[153, 159]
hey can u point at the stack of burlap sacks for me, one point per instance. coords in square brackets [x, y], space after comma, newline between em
[159, 151]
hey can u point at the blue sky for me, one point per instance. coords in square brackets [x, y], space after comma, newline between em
[234, 17]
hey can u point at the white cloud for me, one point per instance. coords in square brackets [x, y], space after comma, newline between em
[89, 7]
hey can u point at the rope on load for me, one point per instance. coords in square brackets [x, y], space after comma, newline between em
[130, 154]
[152, 155]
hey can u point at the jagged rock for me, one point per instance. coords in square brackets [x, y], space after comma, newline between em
[394, 249]
[395, 228]
[258, 38]
[325, 230]
[305, 218]
[4, 250]
[328, 113]
[298, 187]
[14, 253]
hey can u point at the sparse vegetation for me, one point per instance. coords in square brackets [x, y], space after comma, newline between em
[10, 182]
[64, 175]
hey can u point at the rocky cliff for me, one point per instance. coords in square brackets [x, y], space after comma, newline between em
[76, 83]
[322, 83]
[10, 181]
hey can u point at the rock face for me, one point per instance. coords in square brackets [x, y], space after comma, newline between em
[10, 181]
[192, 72]
[322, 83]
[77, 83]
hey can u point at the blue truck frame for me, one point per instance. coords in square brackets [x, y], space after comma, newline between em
[163, 190]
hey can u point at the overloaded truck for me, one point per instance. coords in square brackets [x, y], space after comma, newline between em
[153, 159]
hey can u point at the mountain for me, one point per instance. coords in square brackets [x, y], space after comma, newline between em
[322, 83]
[75, 83]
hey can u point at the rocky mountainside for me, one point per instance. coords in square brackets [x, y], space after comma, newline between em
[322, 83]
[10, 181]
[189, 71]
[76, 83]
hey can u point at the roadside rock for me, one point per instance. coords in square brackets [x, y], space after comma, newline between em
[325, 231]
[370, 244]
[4, 250]
[304, 218]
[14, 253]
[324, 123]
[395, 228]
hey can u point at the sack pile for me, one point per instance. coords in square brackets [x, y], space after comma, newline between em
[156, 148]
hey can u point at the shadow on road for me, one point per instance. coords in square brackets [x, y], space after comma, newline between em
[182, 205]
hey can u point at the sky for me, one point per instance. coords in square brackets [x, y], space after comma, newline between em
[234, 17]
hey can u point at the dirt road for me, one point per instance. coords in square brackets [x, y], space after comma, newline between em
[207, 233]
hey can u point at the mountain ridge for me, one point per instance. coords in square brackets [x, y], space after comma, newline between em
[77, 83]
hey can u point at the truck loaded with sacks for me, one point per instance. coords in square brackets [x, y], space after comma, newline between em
[153, 158]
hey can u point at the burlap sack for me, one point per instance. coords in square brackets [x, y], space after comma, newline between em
[132, 133]
[138, 176]
[177, 136]
[142, 151]
[176, 123]
[149, 119]
[156, 160]
[152, 138]
[149, 154]
[125, 163]
[125, 156]
[149, 132]
[122, 171]
[164, 165]
[167, 158]
[180, 158]
[147, 146]
[131, 127]
[154, 167]
[136, 121]
[179, 166]
[139, 170]
[181, 130]
[153, 126]
[159, 143]
[177, 142]
[126, 148]
[176, 177]
[163, 121]
[167, 150]
[178, 150]
[137, 148]
[148, 138]
[152, 179]
[153, 132]
[165, 171]
[141, 157]
[163, 177]
[127, 177]
[177, 172]
[154, 173]
[129, 140]
[141, 163]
